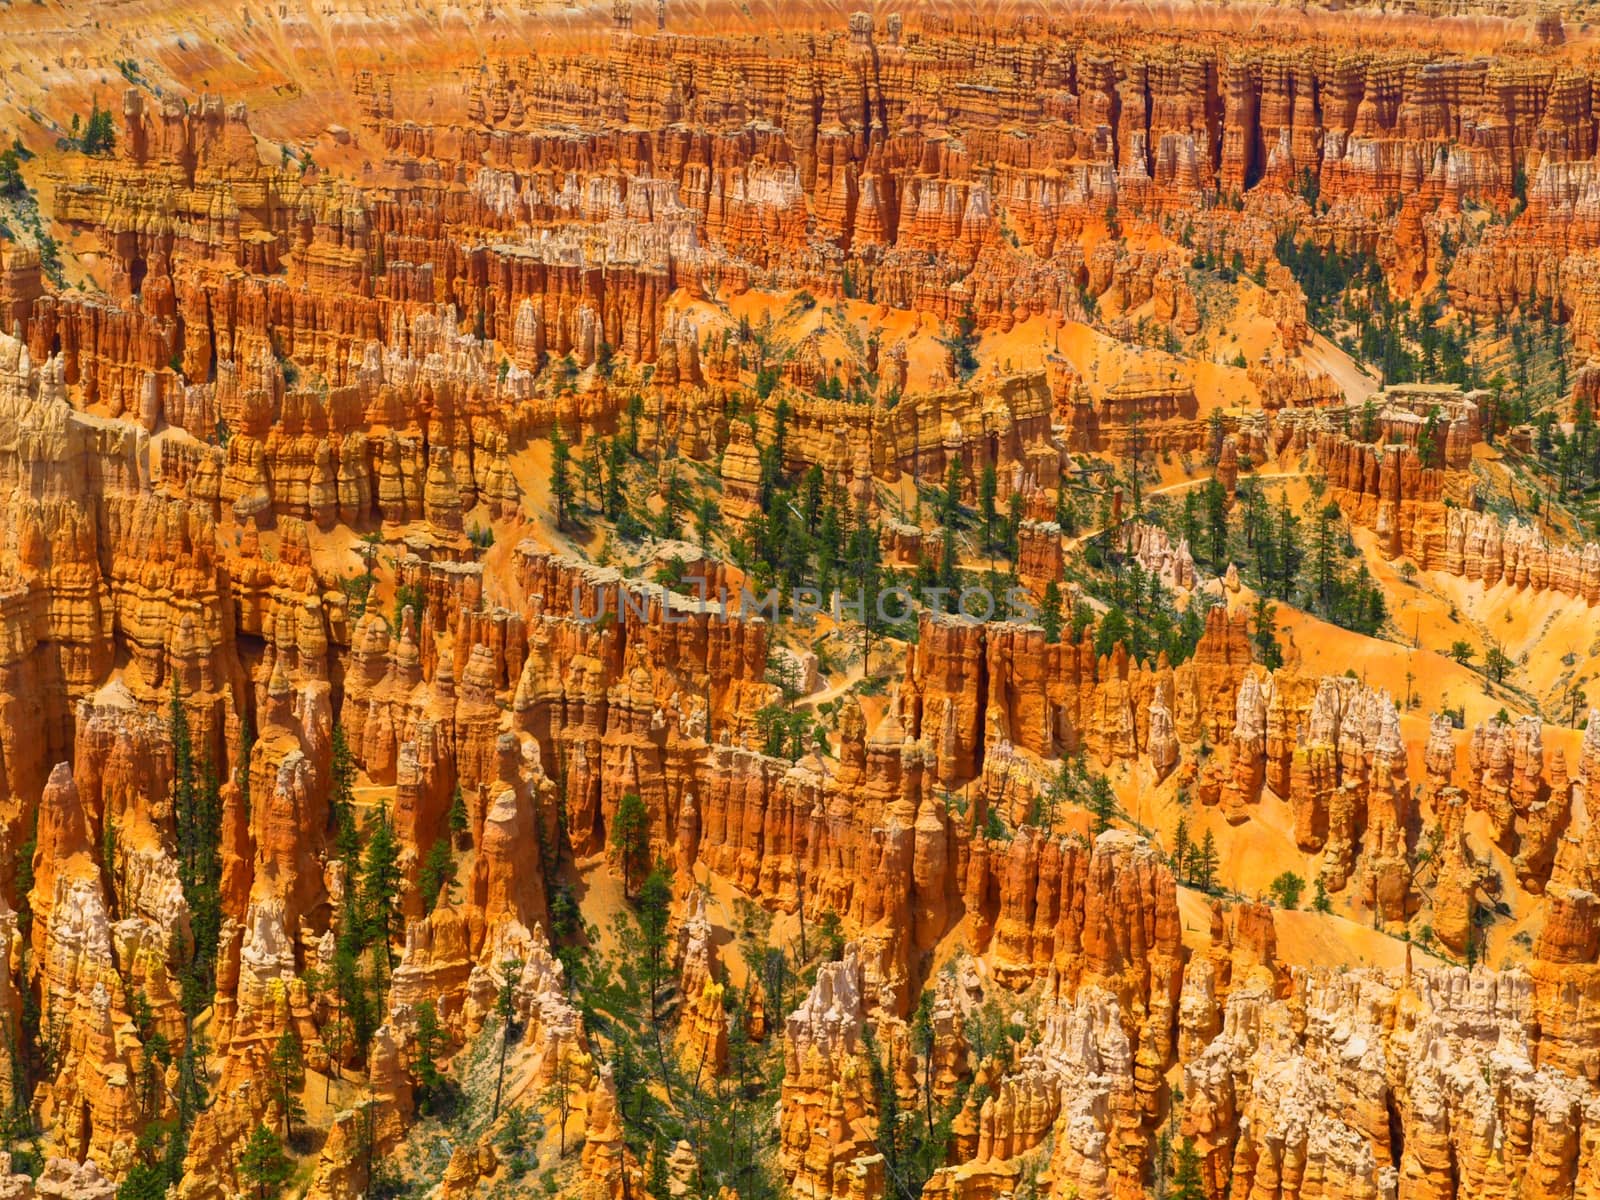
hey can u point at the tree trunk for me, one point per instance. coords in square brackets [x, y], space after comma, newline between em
[500, 1080]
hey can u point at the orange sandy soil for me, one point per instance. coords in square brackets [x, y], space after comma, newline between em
[1100, 360]
[1308, 938]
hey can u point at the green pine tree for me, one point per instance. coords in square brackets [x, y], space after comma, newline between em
[1265, 635]
[630, 838]
[1286, 889]
[614, 457]
[950, 498]
[1101, 803]
[341, 801]
[1205, 863]
[197, 818]
[1216, 502]
[864, 565]
[706, 519]
[380, 887]
[100, 135]
[264, 1166]
[1320, 901]
[1050, 613]
[655, 917]
[288, 1076]
[635, 412]
[1181, 848]
[988, 490]
[438, 871]
[1112, 629]
[1326, 568]
[560, 474]
[505, 1006]
[1186, 1181]
[459, 822]
[431, 1081]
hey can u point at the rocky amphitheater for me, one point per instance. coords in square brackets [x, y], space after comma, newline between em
[495, 506]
